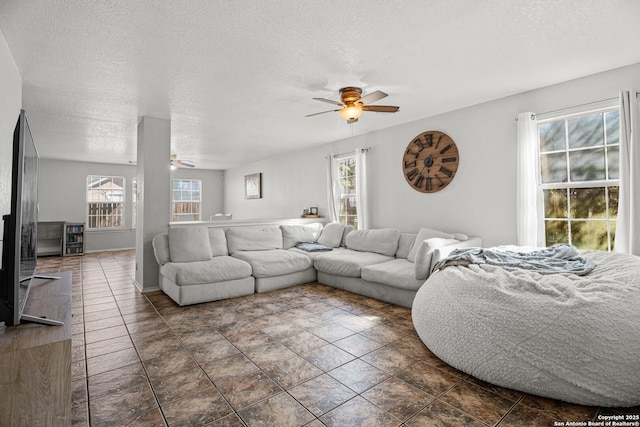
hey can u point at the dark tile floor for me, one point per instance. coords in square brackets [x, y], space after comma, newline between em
[307, 355]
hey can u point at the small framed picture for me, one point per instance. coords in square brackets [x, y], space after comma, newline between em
[313, 210]
[253, 186]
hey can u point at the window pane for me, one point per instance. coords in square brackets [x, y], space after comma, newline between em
[589, 235]
[587, 165]
[176, 184]
[195, 185]
[613, 202]
[556, 232]
[588, 203]
[612, 119]
[586, 131]
[555, 203]
[612, 233]
[613, 158]
[552, 136]
[553, 167]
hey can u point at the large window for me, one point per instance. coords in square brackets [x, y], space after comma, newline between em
[186, 199]
[348, 213]
[105, 202]
[579, 172]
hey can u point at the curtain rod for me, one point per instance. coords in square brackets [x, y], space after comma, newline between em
[533, 115]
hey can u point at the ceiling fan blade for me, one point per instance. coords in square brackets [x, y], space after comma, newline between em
[329, 101]
[380, 108]
[322, 112]
[186, 163]
[373, 97]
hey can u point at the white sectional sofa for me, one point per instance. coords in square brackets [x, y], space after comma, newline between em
[199, 264]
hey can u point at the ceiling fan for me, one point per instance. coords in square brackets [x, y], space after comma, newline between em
[176, 162]
[353, 104]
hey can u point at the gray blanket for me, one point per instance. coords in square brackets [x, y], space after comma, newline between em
[555, 259]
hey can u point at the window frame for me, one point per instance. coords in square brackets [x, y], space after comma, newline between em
[173, 201]
[603, 108]
[134, 202]
[341, 196]
[123, 203]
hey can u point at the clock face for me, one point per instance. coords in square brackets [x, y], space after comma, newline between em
[430, 161]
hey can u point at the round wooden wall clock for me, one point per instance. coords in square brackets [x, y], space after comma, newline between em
[430, 161]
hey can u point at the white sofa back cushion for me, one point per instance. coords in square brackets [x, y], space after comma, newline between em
[218, 242]
[331, 236]
[292, 234]
[189, 244]
[428, 233]
[347, 229]
[382, 241]
[404, 244]
[253, 239]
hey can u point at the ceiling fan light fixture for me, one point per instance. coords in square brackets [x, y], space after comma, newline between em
[351, 112]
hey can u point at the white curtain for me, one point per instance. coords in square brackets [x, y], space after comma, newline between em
[362, 188]
[628, 221]
[333, 198]
[529, 230]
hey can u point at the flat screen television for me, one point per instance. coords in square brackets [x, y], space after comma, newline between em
[19, 241]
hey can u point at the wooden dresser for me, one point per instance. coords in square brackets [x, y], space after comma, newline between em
[35, 360]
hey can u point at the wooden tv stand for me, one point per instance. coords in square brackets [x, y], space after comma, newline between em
[35, 360]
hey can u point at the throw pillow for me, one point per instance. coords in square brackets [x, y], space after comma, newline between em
[189, 244]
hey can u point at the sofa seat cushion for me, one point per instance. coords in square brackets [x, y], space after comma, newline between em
[314, 255]
[399, 273]
[347, 262]
[218, 269]
[276, 262]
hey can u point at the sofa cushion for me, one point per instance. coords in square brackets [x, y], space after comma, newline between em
[381, 241]
[424, 234]
[160, 244]
[276, 262]
[253, 239]
[189, 244]
[404, 244]
[215, 270]
[347, 229]
[347, 262]
[292, 234]
[218, 242]
[399, 273]
[314, 254]
[332, 235]
[424, 257]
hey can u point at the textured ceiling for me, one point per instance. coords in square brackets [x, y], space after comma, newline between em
[236, 78]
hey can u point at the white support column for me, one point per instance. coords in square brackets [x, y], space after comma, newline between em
[154, 204]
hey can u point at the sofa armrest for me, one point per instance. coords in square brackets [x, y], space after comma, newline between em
[160, 244]
[445, 251]
[426, 257]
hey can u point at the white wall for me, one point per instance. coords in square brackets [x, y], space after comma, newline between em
[481, 200]
[10, 104]
[62, 196]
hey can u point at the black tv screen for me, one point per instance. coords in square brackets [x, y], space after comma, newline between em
[19, 245]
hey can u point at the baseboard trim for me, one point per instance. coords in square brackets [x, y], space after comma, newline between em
[108, 250]
[144, 291]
